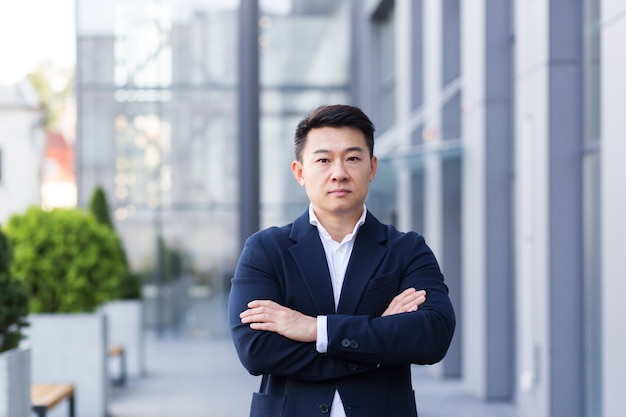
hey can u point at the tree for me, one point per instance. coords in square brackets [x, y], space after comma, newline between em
[13, 300]
[129, 286]
[99, 207]
[54, 86]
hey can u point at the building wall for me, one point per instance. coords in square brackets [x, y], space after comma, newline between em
[542, 233]
[22, 144]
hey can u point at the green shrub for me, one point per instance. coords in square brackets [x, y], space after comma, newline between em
[69, 261]
[129, 285]
[13, 300]
[99, 207]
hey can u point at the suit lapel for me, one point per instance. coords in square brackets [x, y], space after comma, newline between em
[367, 254]
[308, 254]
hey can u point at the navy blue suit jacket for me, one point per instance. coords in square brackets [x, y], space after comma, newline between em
[369, 356]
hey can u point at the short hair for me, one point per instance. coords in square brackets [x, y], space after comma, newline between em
[336, 115]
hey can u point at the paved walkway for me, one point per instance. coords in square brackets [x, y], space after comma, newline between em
[195, 372]
[202, 377]
[186, 377]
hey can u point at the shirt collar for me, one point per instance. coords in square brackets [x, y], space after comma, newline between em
[315, 222]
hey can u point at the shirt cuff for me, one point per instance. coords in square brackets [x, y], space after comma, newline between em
[322, 335]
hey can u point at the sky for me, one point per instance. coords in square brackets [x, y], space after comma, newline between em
[33, 32]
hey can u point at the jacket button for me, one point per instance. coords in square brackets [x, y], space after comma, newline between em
[346, 342]
[353, 366]
[324, 409]
[354, 344]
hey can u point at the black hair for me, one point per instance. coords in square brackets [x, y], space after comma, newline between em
[336, 115]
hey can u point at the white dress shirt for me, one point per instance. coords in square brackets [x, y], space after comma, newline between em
[337, 256]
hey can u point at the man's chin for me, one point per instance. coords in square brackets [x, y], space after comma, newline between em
[343, 209]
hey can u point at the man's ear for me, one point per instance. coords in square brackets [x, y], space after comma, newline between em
[296, 168]
[373, 167]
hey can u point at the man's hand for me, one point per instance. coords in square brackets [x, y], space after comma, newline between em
[271, 316]
[408, 300]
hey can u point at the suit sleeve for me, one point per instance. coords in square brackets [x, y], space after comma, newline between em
[264, 352]
[420, 337]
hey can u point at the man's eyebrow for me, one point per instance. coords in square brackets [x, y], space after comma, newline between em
[350, 149]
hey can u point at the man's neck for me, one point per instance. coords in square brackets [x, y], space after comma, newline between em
[338, 226]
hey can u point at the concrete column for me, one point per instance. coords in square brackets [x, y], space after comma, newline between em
[613, 206]
[487, 271]
[403, 85]
[432, 15]
[249, 194]
[549, 274]
[565, 232]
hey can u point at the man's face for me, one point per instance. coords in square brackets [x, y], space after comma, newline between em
[336, 170]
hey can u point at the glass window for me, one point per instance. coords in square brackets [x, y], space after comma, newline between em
[385, 53]
[451, 41]
[417, 49]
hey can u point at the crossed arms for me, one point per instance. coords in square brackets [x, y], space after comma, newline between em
[273, 314]
[270, 316]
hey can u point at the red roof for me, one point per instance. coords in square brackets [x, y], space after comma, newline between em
[59, 159]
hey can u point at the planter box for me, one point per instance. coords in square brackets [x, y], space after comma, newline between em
[72, 348]
[125, 323]
[15, 382]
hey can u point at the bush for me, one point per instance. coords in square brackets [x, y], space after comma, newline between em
[13, 300]
[69, 261]
[129, 285]
[99, 207]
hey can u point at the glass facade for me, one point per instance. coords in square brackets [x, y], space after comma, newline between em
[304, 63]
[157, 92]
[157, 86]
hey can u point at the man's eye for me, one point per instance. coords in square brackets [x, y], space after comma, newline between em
[323, 160]
[354, 158]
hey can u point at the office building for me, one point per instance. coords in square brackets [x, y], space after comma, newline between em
[500, 138]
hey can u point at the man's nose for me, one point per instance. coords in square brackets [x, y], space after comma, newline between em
[339, 172]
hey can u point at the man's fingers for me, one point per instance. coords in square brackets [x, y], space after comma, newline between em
[259, 311]
[408, 300]
[271, 316]
[411, 296]
[418, 300]
[261, 303]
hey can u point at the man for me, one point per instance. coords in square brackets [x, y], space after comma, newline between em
[334, 308]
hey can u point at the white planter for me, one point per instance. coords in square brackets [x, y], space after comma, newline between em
[125, 321]
[72, 348]
[15, 382]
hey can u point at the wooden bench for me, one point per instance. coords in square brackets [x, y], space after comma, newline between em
[118, 350]
[44, 397]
